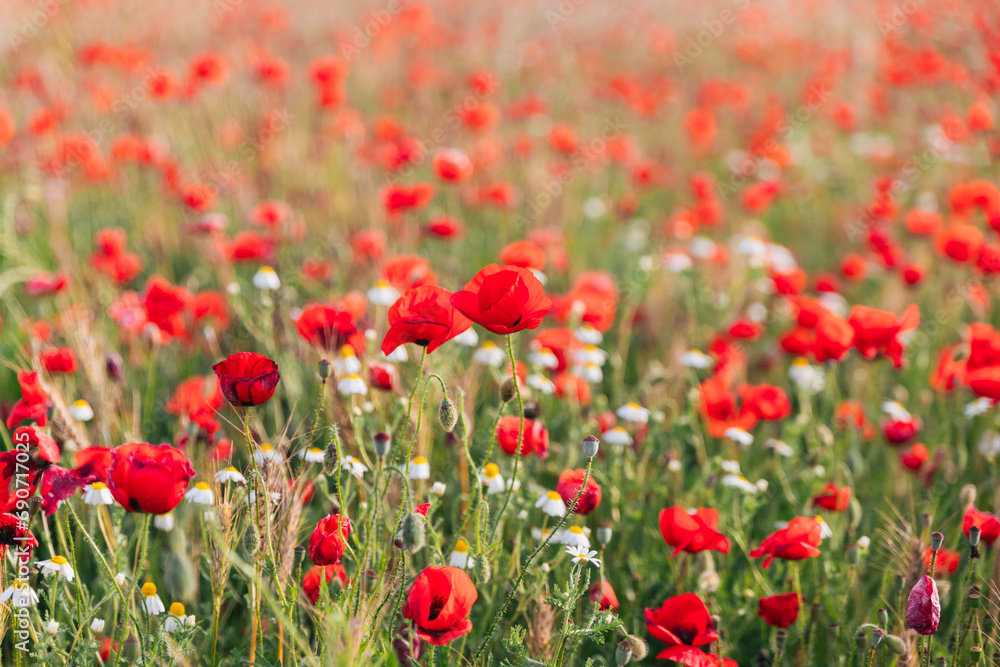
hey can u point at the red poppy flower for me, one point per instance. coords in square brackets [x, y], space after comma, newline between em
[946, 563]
[42, 449]
[94, 461]
[692, 532]
[503, 299]
[249, 247]
[877, 331]
[536, 436]
[438, 603]
[10, 483]
[60, 360]
[901, 431]
[569, 485]
[682, 621]
[452, 165]
[406, 271]
[766, 402]
[718, 405]
[604, 595]
[399, 198]
[423, 315]
[329, 540]
[796, 542]
[381, 376]
[744, 329]
[914, 457]
[328, 327]
[525, 254]
[59, 484]
[987, 523]
[34, 401]
[45, 284]
[779, 611]
[148, 478]
[923, 607]
[444, 228]
[14, 533]
[247, 378]
[833, 498]
[311, 580]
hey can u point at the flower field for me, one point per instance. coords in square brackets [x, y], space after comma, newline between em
[548, 332]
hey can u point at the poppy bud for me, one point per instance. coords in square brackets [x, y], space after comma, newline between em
[590, 446]
[883, 617]
[976, 654]
[448, 414]
[483, 570]
[330, 459]
[508, 390]
[113, 366]
[895, 645]
[380, 443]
[975, 532]
[324, 369]
[937, 539]
[877, 636]
[967, 496]
[408, 646]
[988, 624]
[413, 533]
[251, 539]
[604, 534]
[532, 410]
[131, 649]
[923, 607]
[622, 654]
[637, 646]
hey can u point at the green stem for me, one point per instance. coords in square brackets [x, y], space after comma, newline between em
[520, 437]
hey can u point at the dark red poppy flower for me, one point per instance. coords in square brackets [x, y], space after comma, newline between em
[569, 485]
[604, 595]
[799, 540]
[900, 430]
[400, 198]
[833, 498]
[536, 436]
[59, 484]
[329, 540]
[681, 621]
[247, 378]
[311, 580]
[779, 611]
[149, 478]
[34, 401]
[423, 315]
[923, 607]
[327, 327]
[503, 299]
[94, 461]
[438, 603]
[692, 532]
[988, 524]
[14, 533]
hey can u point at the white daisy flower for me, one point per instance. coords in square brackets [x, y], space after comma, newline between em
[397, 356]
[176, 617]
[56, 564]
[152, 601]
[200, 493]
[352, 385]
[761, 485]
[460, 556]
[588, 335]
[230, 474]
[864, 542]
[895, 410]
[807, 377]
[420, 468]
[120, 579]
[980, 406]
[544, 358]
[541, 383]
[20, 594]
[80, 410]
[354, 466]
[347, 362]
[489, 354]
[676, 261]
[551, 503]
[491, 477]
[633, 412]
[438, 489]
[702, 247]
[312, 455]
[591, 354]
[779, 447]
[382, 294]
[98, 493]
[824, 528]
[572, 536]
[738, 482]
[696, 359]
[538, 534]
[267, 452]
[97, 625]
[266, 279]
[739, 435]
[590, 373]
[730, 466]
[468, 338]
[164, 522]
[989, 445]
[617, 436]
[583, 555]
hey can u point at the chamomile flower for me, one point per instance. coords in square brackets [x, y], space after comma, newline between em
[541, 383]
[98, 493]
[354, 466]
[176, 617]
[675, 465]
[980, 406]
[346, 362]
[382, 294]
[266, 279]
[438, 489]
[20, 594]
[80, 410]
[824, 528]
[267, 452]
[696, 359]
[730, 466]
[583, 555]
[468, 338]
[152, 601]
[491, 477]
[738, 482]
[591, 373]
[420, 468]
[544, 358]
[551, 503]
[489, 354]
[312, 455]
[398, 355]
[895, 410]
[56, 564]
[97, 625]
[807, 377]
[201, 493]
[616, 436]
[591, 354]
[779, 447]
[739, 435]
[460, 555]
[352, 385]
[572, 536]
[164, 522]
[633, 412]
[230, 474]
[588, 335]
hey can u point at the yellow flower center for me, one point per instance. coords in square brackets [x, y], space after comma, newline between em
[176, 609]
[634, 406]
[80, 403]
[801, 362]
[489, 344]
[231, 469]
[267, 447]
[419, 460]
[491, 470]
[98, 486]
[382, 284]
[201, 486]
[315, 450]
[347, 351]
[576, 530]
[266, 269]
[149, 589]
[462, 547]
[353, 377]
[58, 560]
[554, 495]
[590, 347]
